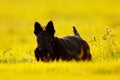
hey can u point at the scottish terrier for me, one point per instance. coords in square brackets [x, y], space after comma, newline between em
[53, 48]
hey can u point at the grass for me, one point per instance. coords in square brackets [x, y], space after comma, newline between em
[97, 22]
[62, 70]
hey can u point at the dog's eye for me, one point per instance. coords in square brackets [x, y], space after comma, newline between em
[50, 40]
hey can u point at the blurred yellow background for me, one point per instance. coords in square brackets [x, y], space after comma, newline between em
[21, 13]
[97, 21]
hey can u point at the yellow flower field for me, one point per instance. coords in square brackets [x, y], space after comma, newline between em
[98, 22]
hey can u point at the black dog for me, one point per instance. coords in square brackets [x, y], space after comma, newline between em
[54, 48]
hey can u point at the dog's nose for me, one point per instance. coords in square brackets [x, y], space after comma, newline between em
[40, 49]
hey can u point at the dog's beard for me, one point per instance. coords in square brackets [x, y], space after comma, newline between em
[46, 58]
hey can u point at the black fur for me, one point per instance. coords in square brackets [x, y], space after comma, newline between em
[53, 48]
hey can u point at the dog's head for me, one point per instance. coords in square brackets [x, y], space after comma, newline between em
[45, 41]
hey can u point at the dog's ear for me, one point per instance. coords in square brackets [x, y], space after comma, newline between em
[50, 28]
[37, 28]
